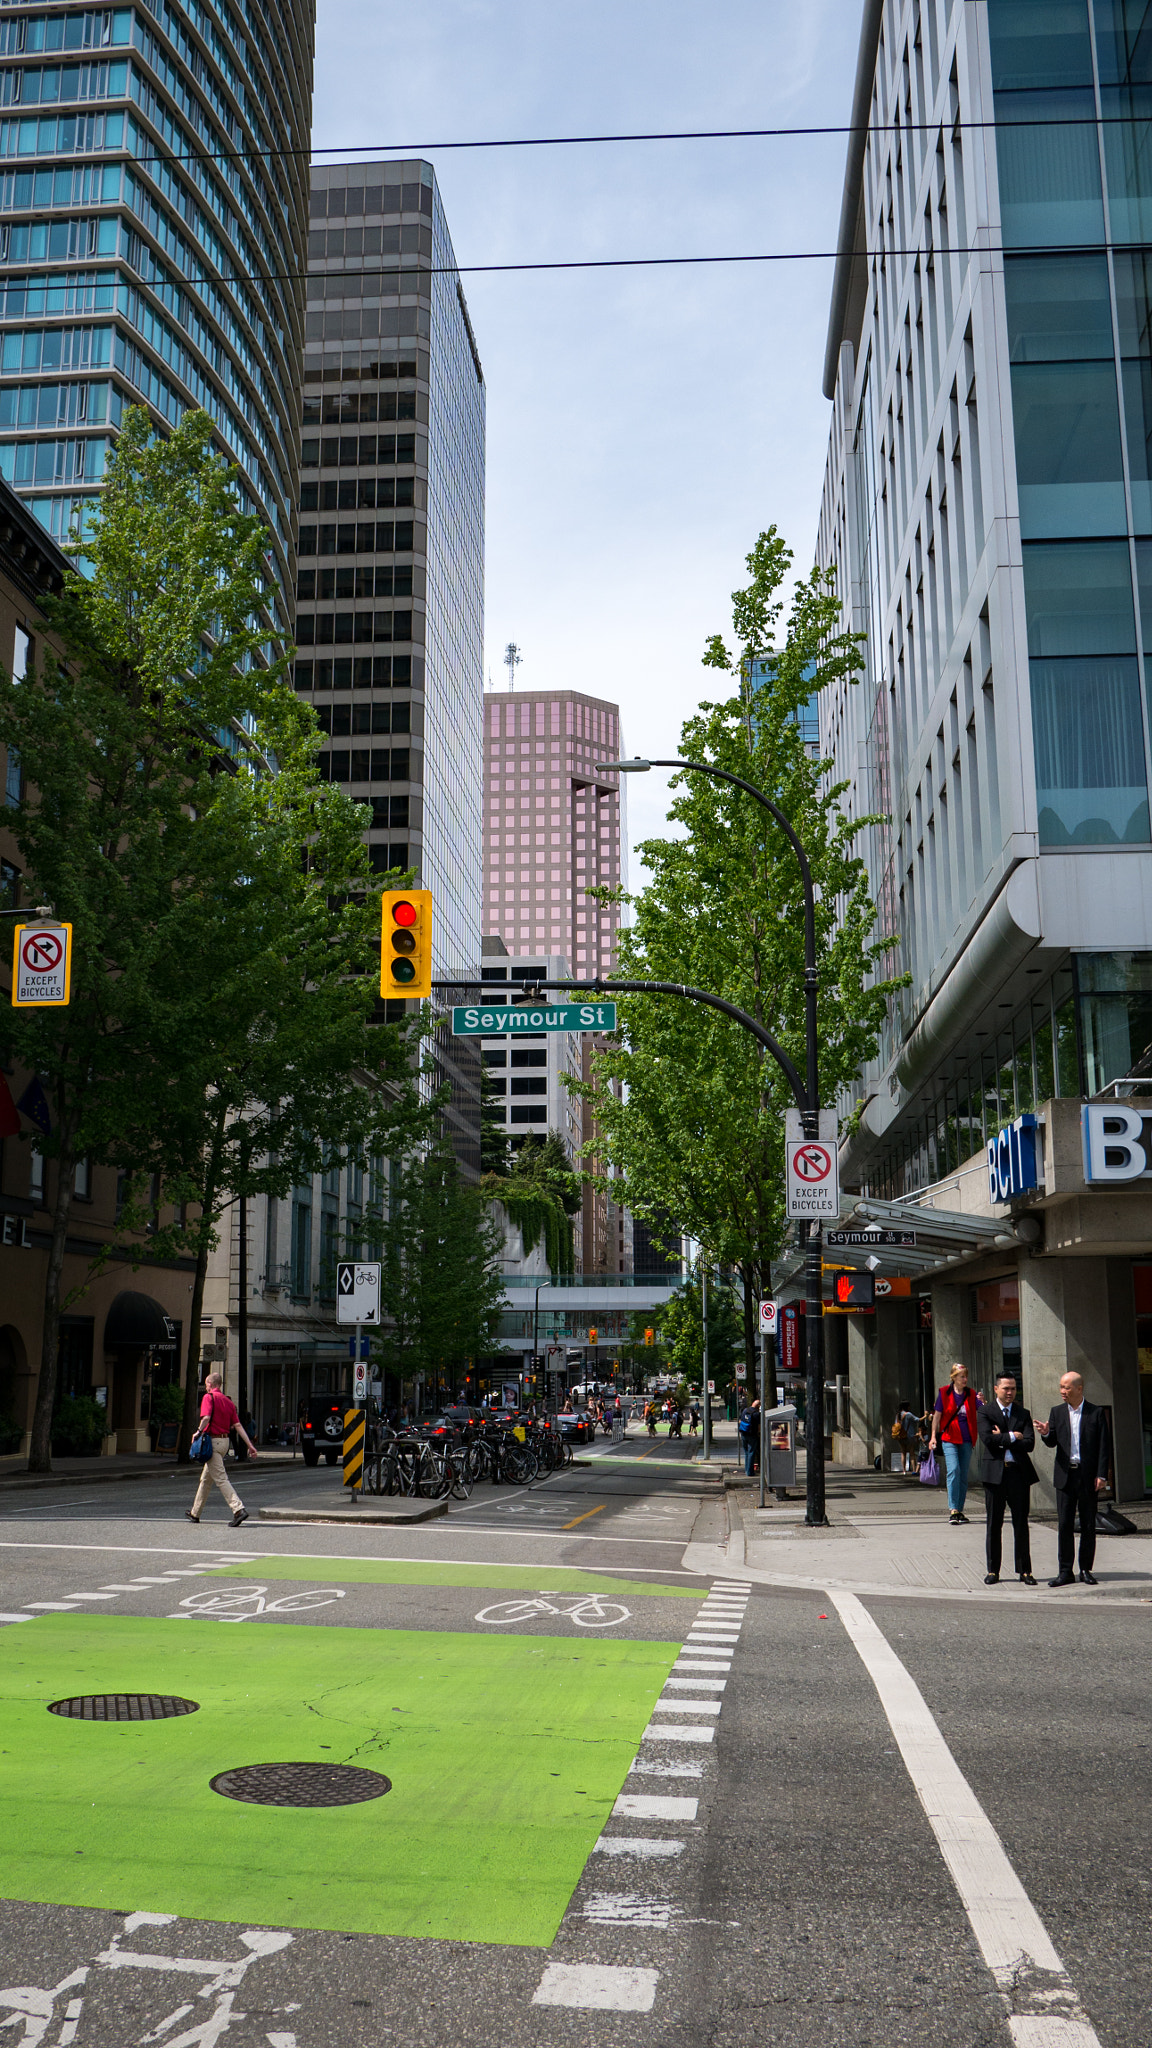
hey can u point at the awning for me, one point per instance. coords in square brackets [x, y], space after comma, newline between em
[139, 1323]
[944, 1238]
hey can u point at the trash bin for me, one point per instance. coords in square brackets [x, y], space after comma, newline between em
[781, 1427]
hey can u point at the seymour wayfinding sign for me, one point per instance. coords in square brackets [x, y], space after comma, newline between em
[813, 1181]
[42, 966]
[471, 1021]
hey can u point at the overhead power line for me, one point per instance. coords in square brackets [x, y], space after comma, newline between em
[408, 279]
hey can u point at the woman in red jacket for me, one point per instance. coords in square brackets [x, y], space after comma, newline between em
[954, 1426]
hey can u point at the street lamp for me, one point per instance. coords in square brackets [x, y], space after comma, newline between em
[808, 1103]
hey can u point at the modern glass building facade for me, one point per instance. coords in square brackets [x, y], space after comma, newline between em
[390, 592]
[988, 510]
[153, 216]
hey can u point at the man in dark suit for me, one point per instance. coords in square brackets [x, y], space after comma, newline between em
[1006, 1432]
[1077, 1431]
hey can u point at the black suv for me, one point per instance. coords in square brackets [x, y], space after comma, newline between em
[321, 1427]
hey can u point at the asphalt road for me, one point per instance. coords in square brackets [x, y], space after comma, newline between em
[819, 1796]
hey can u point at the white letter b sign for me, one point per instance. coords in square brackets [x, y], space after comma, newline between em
[1113, 1150]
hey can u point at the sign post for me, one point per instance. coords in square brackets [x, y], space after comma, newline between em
[42, 966]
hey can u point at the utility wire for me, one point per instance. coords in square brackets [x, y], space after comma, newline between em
[410, 279]
[395, 152]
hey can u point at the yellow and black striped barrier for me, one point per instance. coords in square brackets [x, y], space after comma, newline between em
[354, 1447]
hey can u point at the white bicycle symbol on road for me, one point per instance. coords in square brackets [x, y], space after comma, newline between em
[244, 1603]
[590, 1611]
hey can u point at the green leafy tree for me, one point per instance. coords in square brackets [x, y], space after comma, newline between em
[544, 1163]
[441, 1289]
[697, 1129]
[209, 961]
[493, 1133]
[682, 1324]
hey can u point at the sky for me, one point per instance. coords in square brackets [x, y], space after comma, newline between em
[643, 425]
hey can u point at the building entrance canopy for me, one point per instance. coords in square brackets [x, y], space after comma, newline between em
[944, 1237]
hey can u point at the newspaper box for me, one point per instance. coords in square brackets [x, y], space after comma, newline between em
[781, 1427]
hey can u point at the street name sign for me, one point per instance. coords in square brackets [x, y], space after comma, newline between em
[866, 1239]
[812, 1168]
[357, 1291]
[42, 966]
[469, 1020]
[769, 1318]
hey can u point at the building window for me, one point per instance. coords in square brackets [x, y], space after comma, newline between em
[1087, 718]
[13, 780]
[83, 1180]
[36, 1175]
[9, 885]
[302, 1244]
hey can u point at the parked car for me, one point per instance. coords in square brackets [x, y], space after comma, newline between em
[578, 1428]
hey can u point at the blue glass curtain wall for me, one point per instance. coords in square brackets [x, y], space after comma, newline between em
[1073, 103]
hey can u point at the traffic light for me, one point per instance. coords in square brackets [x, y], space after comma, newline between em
[649, 1336]
[406, 942]
[593, 1335]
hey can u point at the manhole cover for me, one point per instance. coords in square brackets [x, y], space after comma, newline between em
[301, 1784]
[123, 1706]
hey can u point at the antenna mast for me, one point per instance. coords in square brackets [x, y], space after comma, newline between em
[512, 660]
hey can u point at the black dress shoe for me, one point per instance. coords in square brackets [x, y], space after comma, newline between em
[1062, 1579]
[1026, 1579]
[1087, 1579]
[991, 1578]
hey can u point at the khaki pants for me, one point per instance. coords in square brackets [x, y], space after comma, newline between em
[213, 1473]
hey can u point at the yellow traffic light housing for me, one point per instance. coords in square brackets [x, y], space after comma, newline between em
[593, 1335]
[406, 943]
[649, 1336]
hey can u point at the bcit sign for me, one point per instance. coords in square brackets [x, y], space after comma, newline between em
[1012, 1160]
[1117, 1143]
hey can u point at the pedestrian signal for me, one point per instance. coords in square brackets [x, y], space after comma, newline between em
[406, 943]
[649, 1336]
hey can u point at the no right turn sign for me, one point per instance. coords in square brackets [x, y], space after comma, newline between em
[812, 1169]
[42, 966]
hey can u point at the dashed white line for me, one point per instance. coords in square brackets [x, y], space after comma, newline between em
[651, 1806]
[597, 1987]
[650, 1848]
[694, 1706]
[626, 1909]
[672, 1733]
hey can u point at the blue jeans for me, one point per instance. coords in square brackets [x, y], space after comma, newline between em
[751, 1447]
[957, 1458]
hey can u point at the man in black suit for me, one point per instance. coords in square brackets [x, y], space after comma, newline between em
[1077, 1431]
[1006, 1432]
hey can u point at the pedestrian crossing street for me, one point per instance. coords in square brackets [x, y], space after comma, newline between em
[684, 1719]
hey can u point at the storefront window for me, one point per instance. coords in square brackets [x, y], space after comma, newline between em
[1115, 1014]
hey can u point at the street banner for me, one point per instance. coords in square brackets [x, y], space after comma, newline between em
[357, 1291]
[812, 1169]
[42, 966]
[470, 1020]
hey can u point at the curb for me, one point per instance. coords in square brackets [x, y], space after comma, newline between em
[426, 1512]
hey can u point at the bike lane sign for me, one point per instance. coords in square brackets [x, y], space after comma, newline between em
[813, 1178]
[42, 966]
[358, 1291]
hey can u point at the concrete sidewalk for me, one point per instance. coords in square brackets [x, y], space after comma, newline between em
[889, 1536]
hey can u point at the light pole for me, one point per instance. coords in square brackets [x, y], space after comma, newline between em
[808, 1103]
[706, 1447]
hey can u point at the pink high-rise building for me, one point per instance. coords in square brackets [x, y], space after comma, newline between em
[554, 825]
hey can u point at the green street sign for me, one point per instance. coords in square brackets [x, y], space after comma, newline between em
[470, 1021]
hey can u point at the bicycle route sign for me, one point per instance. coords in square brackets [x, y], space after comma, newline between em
[471, 1020]
[357, 1291]
[42, 966]
[812, 1168]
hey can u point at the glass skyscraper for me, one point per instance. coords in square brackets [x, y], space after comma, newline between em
[390, 596]
[988, 511]
[153, 215]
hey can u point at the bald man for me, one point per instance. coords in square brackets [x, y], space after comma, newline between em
[1077, 1430]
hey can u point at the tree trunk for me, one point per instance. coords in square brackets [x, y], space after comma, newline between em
[40, 1452]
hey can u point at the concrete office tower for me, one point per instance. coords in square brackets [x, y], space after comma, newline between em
[988, 508]
[390, 611]
[153, 213]
[554, 825]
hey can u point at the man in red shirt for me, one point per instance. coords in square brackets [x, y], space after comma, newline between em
[218, 1418]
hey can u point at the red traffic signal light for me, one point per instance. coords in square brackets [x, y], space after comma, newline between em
[406, 943]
